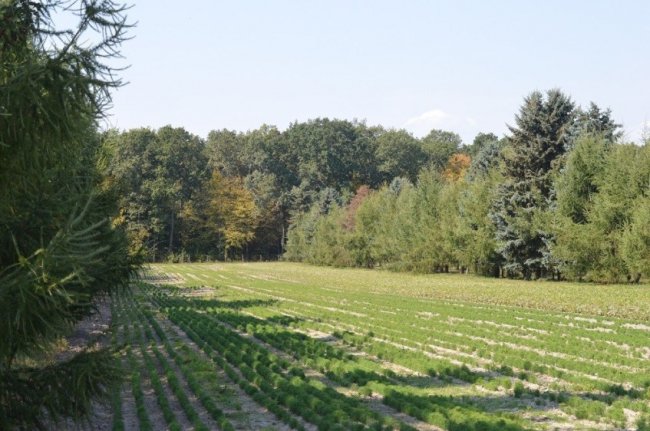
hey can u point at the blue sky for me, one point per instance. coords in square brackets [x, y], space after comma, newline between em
[463, 66]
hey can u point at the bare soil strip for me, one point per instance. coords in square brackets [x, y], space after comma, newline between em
[151, 405]
[198, 407]
[129, 415]
[175, 405]
[93, 331]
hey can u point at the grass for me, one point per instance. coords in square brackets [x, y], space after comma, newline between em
[615, 300]
[482, 353]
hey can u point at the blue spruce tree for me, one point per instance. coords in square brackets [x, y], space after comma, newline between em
[541, 136]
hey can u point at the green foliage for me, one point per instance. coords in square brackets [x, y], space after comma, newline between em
[643, 424]
[60, 390]
[578, 183]
[59, 248]
[545, 202]
[577, 211]
[399, 226]
[537, 142]
[231, 153]
[332, 153]
[158, 174]
[163, 177]
[596, 122]
[439, 146]
[427, 252]
[399, 154]
[481, 140]
[476, 248]
[467, 341]
[635, 239]
[486, 160]
[519, 390]
[601, 222]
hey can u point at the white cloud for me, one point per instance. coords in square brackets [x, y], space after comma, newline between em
[439, 119]
[430, 119]
[433, 119]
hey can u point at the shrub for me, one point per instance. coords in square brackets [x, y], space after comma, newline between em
[519, 390]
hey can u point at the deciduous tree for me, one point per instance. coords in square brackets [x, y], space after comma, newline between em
[439, 145]
[233, 211]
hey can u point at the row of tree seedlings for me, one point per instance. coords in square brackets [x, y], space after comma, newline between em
[273, 381]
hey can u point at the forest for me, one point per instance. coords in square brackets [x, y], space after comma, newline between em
[561, 196]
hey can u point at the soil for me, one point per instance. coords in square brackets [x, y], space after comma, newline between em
[93, 331]
[373, 402]
[250, 415]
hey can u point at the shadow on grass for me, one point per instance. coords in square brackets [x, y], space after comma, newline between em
[344, 369]
[215, 304]
[497, 411]
[282, 320]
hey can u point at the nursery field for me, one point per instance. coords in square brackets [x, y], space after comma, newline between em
[290, 346]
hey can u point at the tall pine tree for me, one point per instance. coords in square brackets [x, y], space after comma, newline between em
[542, 134]
[59, 250]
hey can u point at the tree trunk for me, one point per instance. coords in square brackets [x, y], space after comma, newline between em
[282, 241]
[171, 234]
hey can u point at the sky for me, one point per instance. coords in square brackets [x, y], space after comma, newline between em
[463, 66]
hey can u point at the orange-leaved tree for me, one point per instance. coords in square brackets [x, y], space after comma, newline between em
[456, 167]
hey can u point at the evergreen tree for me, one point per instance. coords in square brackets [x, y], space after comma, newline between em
[635, 241]
[487, 158]
[541, 135]
[477, 249]
[59, 251]
[617, 211]
[595, 121]
[577, 243]
[578, 184]
[479, 142]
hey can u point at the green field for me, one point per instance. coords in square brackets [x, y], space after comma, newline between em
[290, 346]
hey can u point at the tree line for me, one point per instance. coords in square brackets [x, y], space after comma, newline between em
[234, 195]
[561, 196]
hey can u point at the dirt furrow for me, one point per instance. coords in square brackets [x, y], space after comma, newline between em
[373, 402]
[251, 415]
